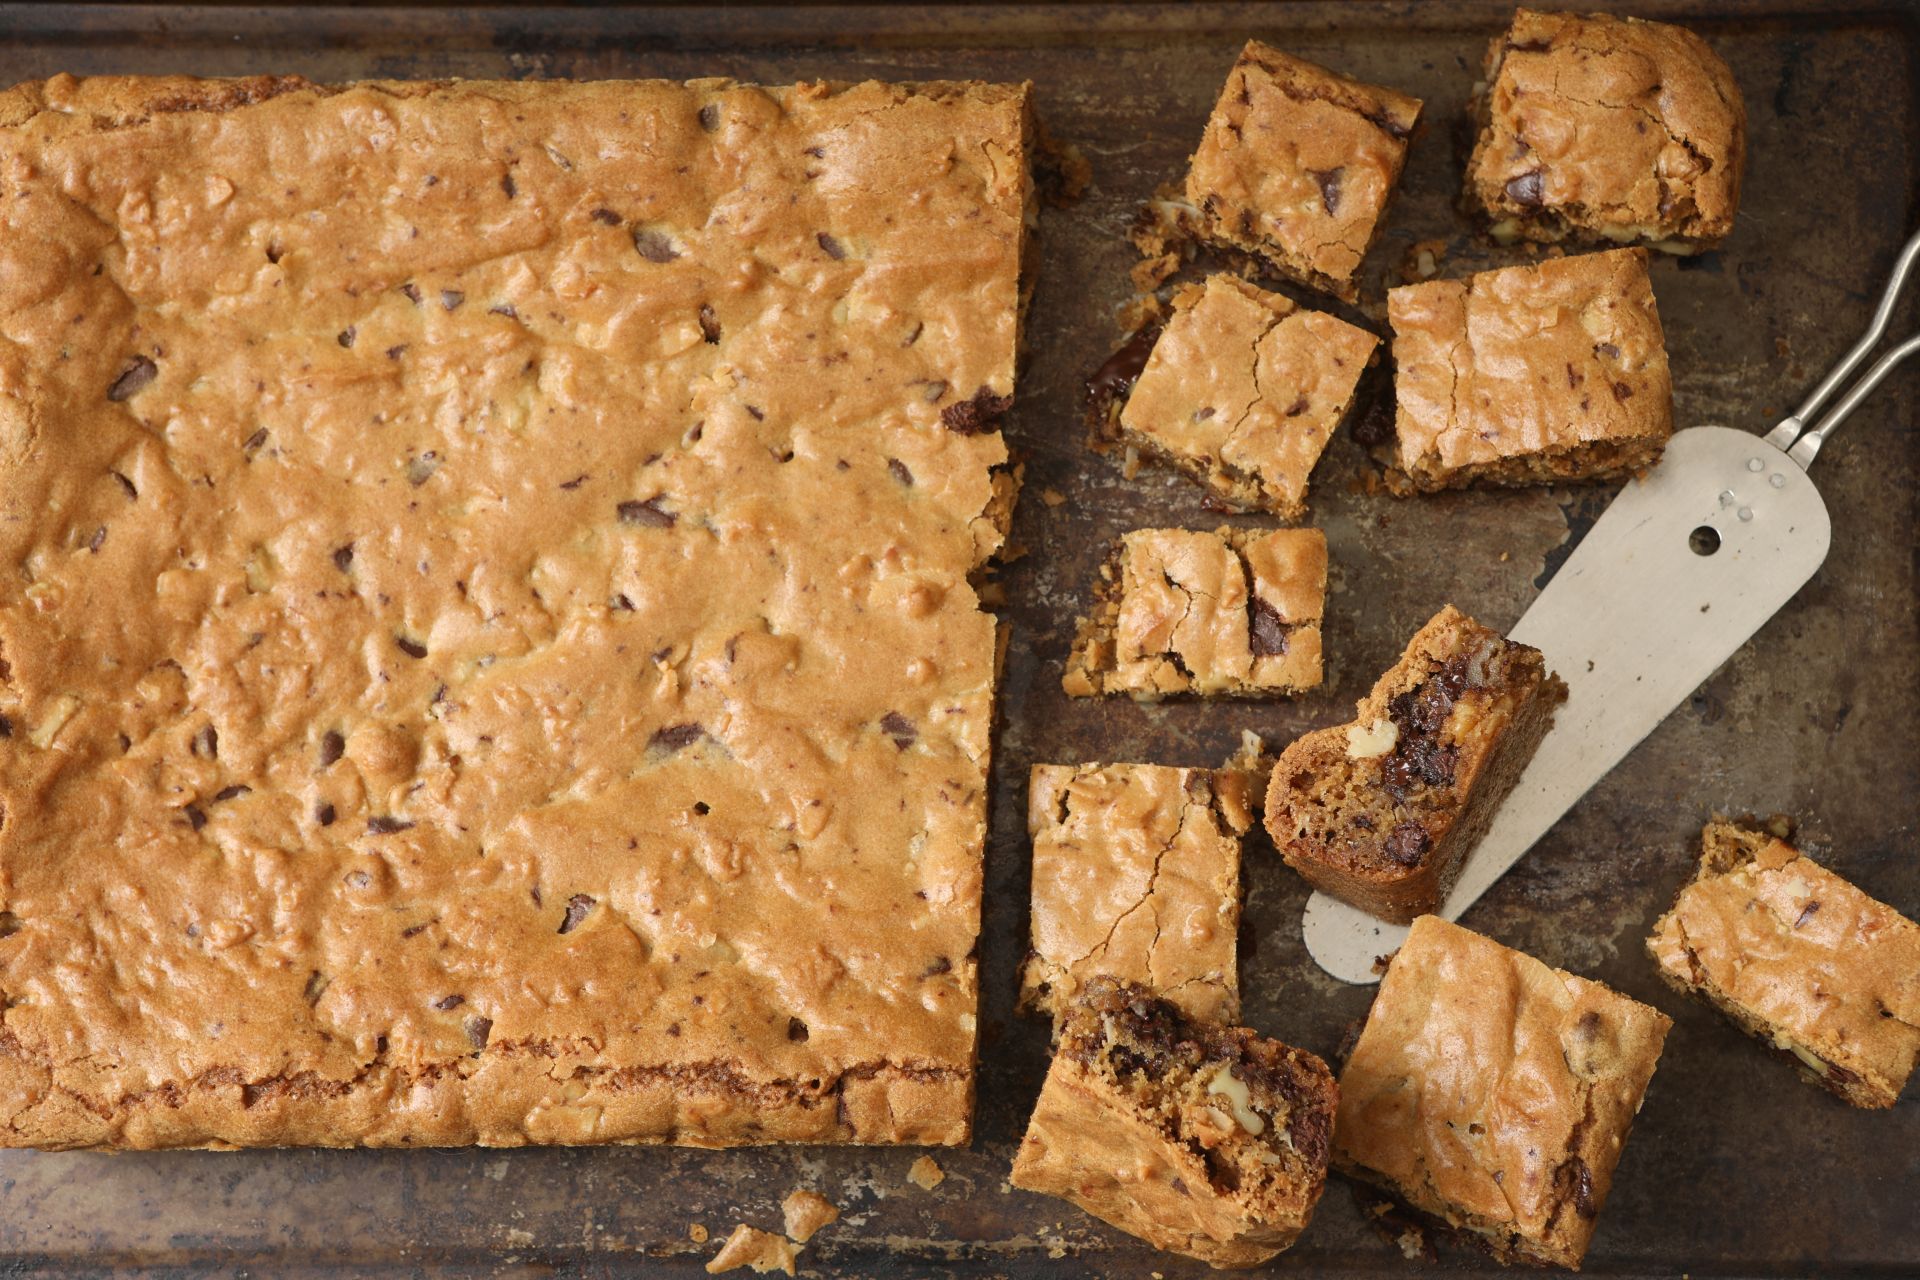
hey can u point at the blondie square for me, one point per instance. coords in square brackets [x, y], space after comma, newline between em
[1232, 613]
[1243, 390]
[1201, 1139]
[1382, 812]
[1539, 374]
[439, 523]
[1602, 129]
[1494, 1093]
[1800, 958]
[1136, 873]
[1297, 165]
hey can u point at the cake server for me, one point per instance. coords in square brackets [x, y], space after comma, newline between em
[1678, 572]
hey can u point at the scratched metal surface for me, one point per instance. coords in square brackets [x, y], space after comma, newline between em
[1735, 1168]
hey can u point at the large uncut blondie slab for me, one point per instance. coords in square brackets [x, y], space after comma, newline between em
[459, 543]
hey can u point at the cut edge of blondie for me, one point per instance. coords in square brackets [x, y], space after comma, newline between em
[1585, 462]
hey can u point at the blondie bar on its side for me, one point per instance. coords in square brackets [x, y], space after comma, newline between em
[1537, 374]
[1493, 1093]
[1243, 390]
[1136, 873]
[1201, 1139]
[1232, 613]
[1800, 958]
[1297, 166]
[1382, 812]
[1603, 129]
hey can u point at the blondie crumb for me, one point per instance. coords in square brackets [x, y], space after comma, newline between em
[751, 1247]
[805, 1213]
[926, 1173]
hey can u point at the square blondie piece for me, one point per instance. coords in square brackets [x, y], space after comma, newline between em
[1800, 958]
[440, 521]
[1601, 129]
[1382, 812]
[1232, 613]
[1541, 374]
[1201, 1139]
[1494, 1093]
[1297, 166]
[1243, 390]
[1136, 873]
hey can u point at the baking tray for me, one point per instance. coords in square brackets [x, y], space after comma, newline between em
[1735, 1168]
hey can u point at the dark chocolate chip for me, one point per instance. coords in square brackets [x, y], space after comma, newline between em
[451, 298]
[796, 1029]
[1607, 350]
[976, 414]
[710, 117]
[654, 246]
[342, 557]
[1375, 427]
[478, 1031]
[6, 727]
[606, 216]
[412, 648]
[1298, 407]
[255, 440]
[323, 813]
[207, 742]
[195, 818]
[332, 746]
[647, 514]
[1621, 391]
[98, 540]
[899, 728]
[676, 737]
[1806, 914]
[508, 187]
[578, 907]
[1329, 180]
[503, 309]
[574, 483]
[1574, 1181]
[396, 351]
[1407, 843]
[938, 967]
[898, 470]
[830, 246]
[1525, 190]
[449, 1002]
[412, 291]
[347, 335]
[138, 372]
[386, 826]
[1266, 629]
[233, 792]
[709, 324]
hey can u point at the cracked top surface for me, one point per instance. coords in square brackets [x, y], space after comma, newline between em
[1248, 388]
[1528, 360]
[1801, 949]
[1297, 165]
[447, 584]
[1611, 127]
[1136, 873]
[1493, 1091]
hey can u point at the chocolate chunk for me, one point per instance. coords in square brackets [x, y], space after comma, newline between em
[830, 246]
[676, 737]
[347, 335]
[207, 742]
[1407, 843]
[574, 483]
[796, 1029]
[1621, 391]
[195, 817]
[503, 309]
[412, 648]
[255, 440]
[1806, 914]
[385, 826]
[578, 907]
[898, 470]
[323, 813]
[710, 117]
[233, 792]
[132, 379]
[709, 324]
[479, 1030]
[332, 746]
[412, 291]
[449, 1002]
[647, 514]
[1375, 427]
[451, 298]
[1266, 629]
[1607, 350]
[396, 351]
[606, 216]
[980, 413]
[938, 967]
[1573, 1182]
[508, 187]
[1329, 180]
[6, 727]
[654, 246]
[342, 557]
[899, 728]
[1525, 190]
[1298, 407]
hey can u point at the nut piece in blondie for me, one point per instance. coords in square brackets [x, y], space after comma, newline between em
[1800, 958]
[1297, 165]
[1201, 1139]
[1243, 390]
[1232, 613]
[1600, 129]
[1382, 812]
[1538, 374]
[1136, 873]
[1493, 1093]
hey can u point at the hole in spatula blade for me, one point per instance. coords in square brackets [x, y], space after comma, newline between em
[1705, 540]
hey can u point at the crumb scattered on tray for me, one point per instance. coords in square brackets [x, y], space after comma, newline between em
[926, 1174]
[696, 1232]
[806, 1212]
[1052, 497]
[752, 1247]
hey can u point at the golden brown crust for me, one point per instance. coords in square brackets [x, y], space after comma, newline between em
[1606, 129]
[1297, 166]
[1244, 389]
[1495, 1093]
[1136, 873]
[1530, 375]
[1800, 958]
[1232, 613]
[465, 536]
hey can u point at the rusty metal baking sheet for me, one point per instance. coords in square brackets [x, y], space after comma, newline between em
[1735, 1168]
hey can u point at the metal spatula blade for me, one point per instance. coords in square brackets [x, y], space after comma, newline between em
[1674, 577]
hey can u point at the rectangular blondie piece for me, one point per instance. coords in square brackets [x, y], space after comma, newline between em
[1297, 166]
[1232, 613]
[1382, 812]
[1136, 873]
[1243, 390]
[1201, 1139]
[1540, 374]
[1800, 958]
[1606, 129]
[1495, 1094]
[439, 521]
